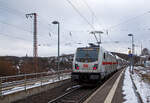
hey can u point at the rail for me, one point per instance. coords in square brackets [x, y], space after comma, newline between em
[11, 84]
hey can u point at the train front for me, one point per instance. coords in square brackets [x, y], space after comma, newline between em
[85, 65]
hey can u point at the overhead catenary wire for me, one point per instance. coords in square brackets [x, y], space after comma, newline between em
[94, 14]
[84, 18]
[15, 37]
[133, 18]
[123, 23]
[11, 10]
[19, 38]
[91, 10]
[126, 21]
[20, 14]
[18, 27]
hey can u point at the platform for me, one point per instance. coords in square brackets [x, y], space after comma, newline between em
[110, 91]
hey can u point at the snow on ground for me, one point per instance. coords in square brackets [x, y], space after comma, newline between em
[16, 89]
[142, 70]
[143, 87]
[130, 96]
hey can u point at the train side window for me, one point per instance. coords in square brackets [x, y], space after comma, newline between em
[104, 55]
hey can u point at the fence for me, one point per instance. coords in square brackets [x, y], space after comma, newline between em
[10, 84]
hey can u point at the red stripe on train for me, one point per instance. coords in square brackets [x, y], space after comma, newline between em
[108, 63]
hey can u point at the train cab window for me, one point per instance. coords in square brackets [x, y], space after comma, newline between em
[87, 55]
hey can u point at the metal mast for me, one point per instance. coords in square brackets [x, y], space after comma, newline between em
[35, 54]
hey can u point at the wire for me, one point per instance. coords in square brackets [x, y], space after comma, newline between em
[18, 27]
[80, 14]
[17, 13]
[91, 10]
[133, 18]
[11, 10]
[84, 18]
[2, 34]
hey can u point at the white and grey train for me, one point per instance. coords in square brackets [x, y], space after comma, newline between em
[92, 64]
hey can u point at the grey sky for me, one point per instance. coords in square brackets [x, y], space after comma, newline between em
[16, 30]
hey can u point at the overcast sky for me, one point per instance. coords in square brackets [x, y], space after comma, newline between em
[119, 17]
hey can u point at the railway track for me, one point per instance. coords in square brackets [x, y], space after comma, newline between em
[77, 95]
[67, 93]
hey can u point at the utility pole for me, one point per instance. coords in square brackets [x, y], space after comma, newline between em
[35, 54]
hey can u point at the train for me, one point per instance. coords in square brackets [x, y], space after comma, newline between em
[92, 64]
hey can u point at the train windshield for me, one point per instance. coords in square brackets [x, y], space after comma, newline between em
[87, 54]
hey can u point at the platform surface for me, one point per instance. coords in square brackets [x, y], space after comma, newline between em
[110, 91]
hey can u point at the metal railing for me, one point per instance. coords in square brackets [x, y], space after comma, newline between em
[10, 84]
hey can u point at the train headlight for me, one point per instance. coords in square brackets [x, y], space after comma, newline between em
[95, 66]
[76, 67]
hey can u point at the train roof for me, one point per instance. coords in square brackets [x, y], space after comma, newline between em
[86, 47]
[100, 47]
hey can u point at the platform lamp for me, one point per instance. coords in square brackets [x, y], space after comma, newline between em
[56, 22]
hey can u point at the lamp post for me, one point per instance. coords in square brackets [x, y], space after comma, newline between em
[148, 43]
[132, 56]
[56, 22]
